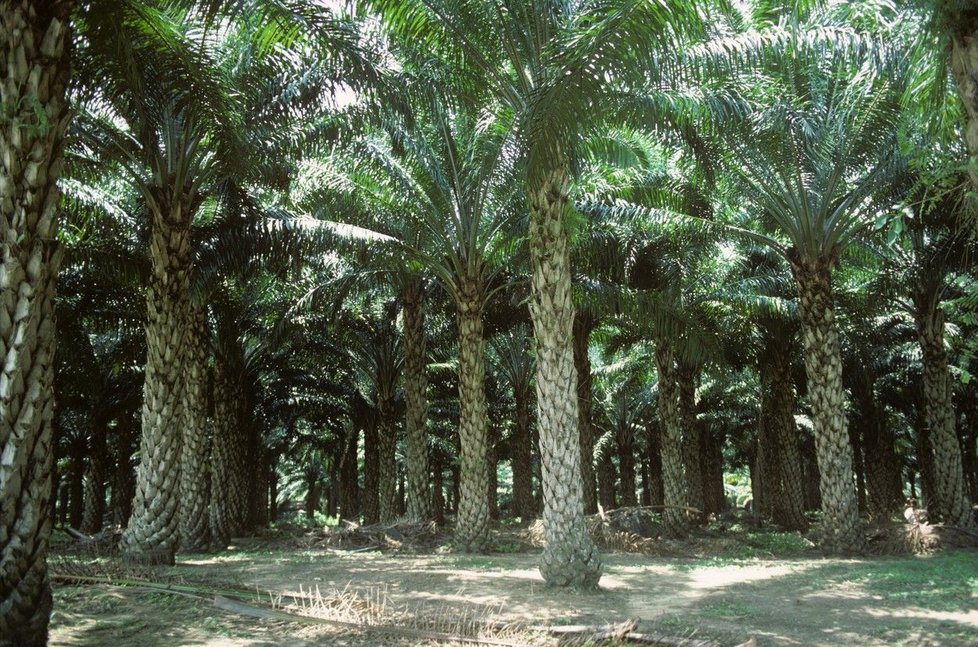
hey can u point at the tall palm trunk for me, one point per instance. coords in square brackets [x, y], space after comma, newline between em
[841, 532]
[152, 533]
[96, 473]
[371, 471]
[472, 525]
[34, 39]
[716, 496]
[125, 439]
[778, 411]
[626, 466]
[194, 467]
[950, 495]
[671, 446]
[228, 463]
[415, 401]
[583, 324]
[569, 556]
[349, 487]
[880, 456]
[523, 502]
[386, 454]
[607, 479]
[692, 440]
[964, 68]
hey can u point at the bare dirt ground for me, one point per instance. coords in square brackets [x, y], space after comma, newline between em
[796, 600]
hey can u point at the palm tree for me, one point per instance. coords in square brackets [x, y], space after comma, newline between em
[548, 66]
[812, 164]
[36, 44]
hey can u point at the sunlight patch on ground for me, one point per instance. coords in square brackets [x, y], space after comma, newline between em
[964, 617]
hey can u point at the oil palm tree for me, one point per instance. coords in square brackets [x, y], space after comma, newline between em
[36, 44]
[548, 65]
[812, 164]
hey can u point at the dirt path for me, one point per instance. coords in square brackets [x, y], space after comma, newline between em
[906, 601]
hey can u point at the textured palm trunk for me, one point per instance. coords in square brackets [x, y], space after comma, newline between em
[34, 38]
[671, 444]
[472, 523]
[153, 530]
[349, 486]
[626, 467]
[969, 454]
[716, 496]
[841, 531]
[607, 480]
[583, 324]
[880, 458]
[96, 474]
[523, 503]
[692, 441]
[125, 439]
[415, 401]
[964, 68]
[194, 467]
[778, 411]
[760, 473]
[227, 510]
[950, 499]
[569, 556]
[653, 444]
[78, 457]
[386, 453]
[371, 472]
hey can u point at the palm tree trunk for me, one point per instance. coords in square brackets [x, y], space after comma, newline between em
[522, 460]
[607, 480]
[386, 453]
[78, 456]
[194, 468]
[34, 38]
[415, 401]
[778, 411]
[964, 68]
[349, 487]
[671, 447]
[692, 440]
[153, 530]
[125, 439]
[472, 525]
[716, 496]
[371, 472]
[569, 556]
[841, 531]
[950, 501]
[653, 442]
[227, 473]
[96, 473]
[583, 324]
[626, 467]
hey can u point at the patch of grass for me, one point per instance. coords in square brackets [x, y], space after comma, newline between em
[727, 609]
[938, 583]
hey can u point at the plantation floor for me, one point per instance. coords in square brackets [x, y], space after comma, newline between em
[795, 601]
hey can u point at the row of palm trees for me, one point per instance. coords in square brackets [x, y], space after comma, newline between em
[643, 129]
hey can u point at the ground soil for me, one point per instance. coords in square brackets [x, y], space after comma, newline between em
[798, 600]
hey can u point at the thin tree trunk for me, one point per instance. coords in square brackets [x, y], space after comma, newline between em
[125, 438]
[880, 458]
[522, 460]
[583, 324]
[438, 489]
[950, 502]
[96, 474]
[778, 411]
[371, 473]
[472, 521]
[78, 456]
[34, 38]
[673, 479]
[195, 468]
[415, 400]
[569, 556]
[716, 496]
[626, 467]
[386, 452]
[840, 531]
[350, 488]
[964, 69]
[692, 441]
[607, 480]
[654, 444]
